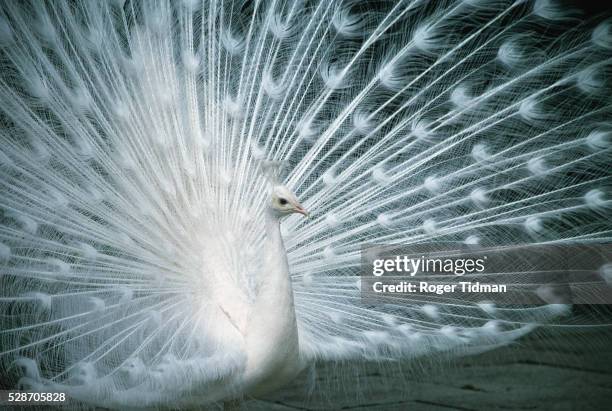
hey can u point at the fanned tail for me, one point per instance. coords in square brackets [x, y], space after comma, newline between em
[471, 131]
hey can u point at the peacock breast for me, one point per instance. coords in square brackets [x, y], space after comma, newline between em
[272, 345]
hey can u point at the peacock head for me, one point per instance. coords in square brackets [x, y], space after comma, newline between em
[284, 202]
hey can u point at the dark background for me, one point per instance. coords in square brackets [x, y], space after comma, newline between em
[589, 7]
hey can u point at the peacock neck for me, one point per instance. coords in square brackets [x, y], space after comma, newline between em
[272, 337]
[275, 280]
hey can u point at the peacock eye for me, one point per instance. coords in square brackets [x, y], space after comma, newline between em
[282, 201]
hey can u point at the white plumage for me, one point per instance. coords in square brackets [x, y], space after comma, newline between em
[141, 252]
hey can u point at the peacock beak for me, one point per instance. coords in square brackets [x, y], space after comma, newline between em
[301, 210]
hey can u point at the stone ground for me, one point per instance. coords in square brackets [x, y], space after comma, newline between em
[557, 370]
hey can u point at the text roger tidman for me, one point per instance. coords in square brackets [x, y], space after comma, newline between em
[425, 287]
[456, 266]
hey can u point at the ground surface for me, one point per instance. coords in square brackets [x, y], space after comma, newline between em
[559, 370]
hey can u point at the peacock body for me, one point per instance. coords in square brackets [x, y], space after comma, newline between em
[143, 260]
